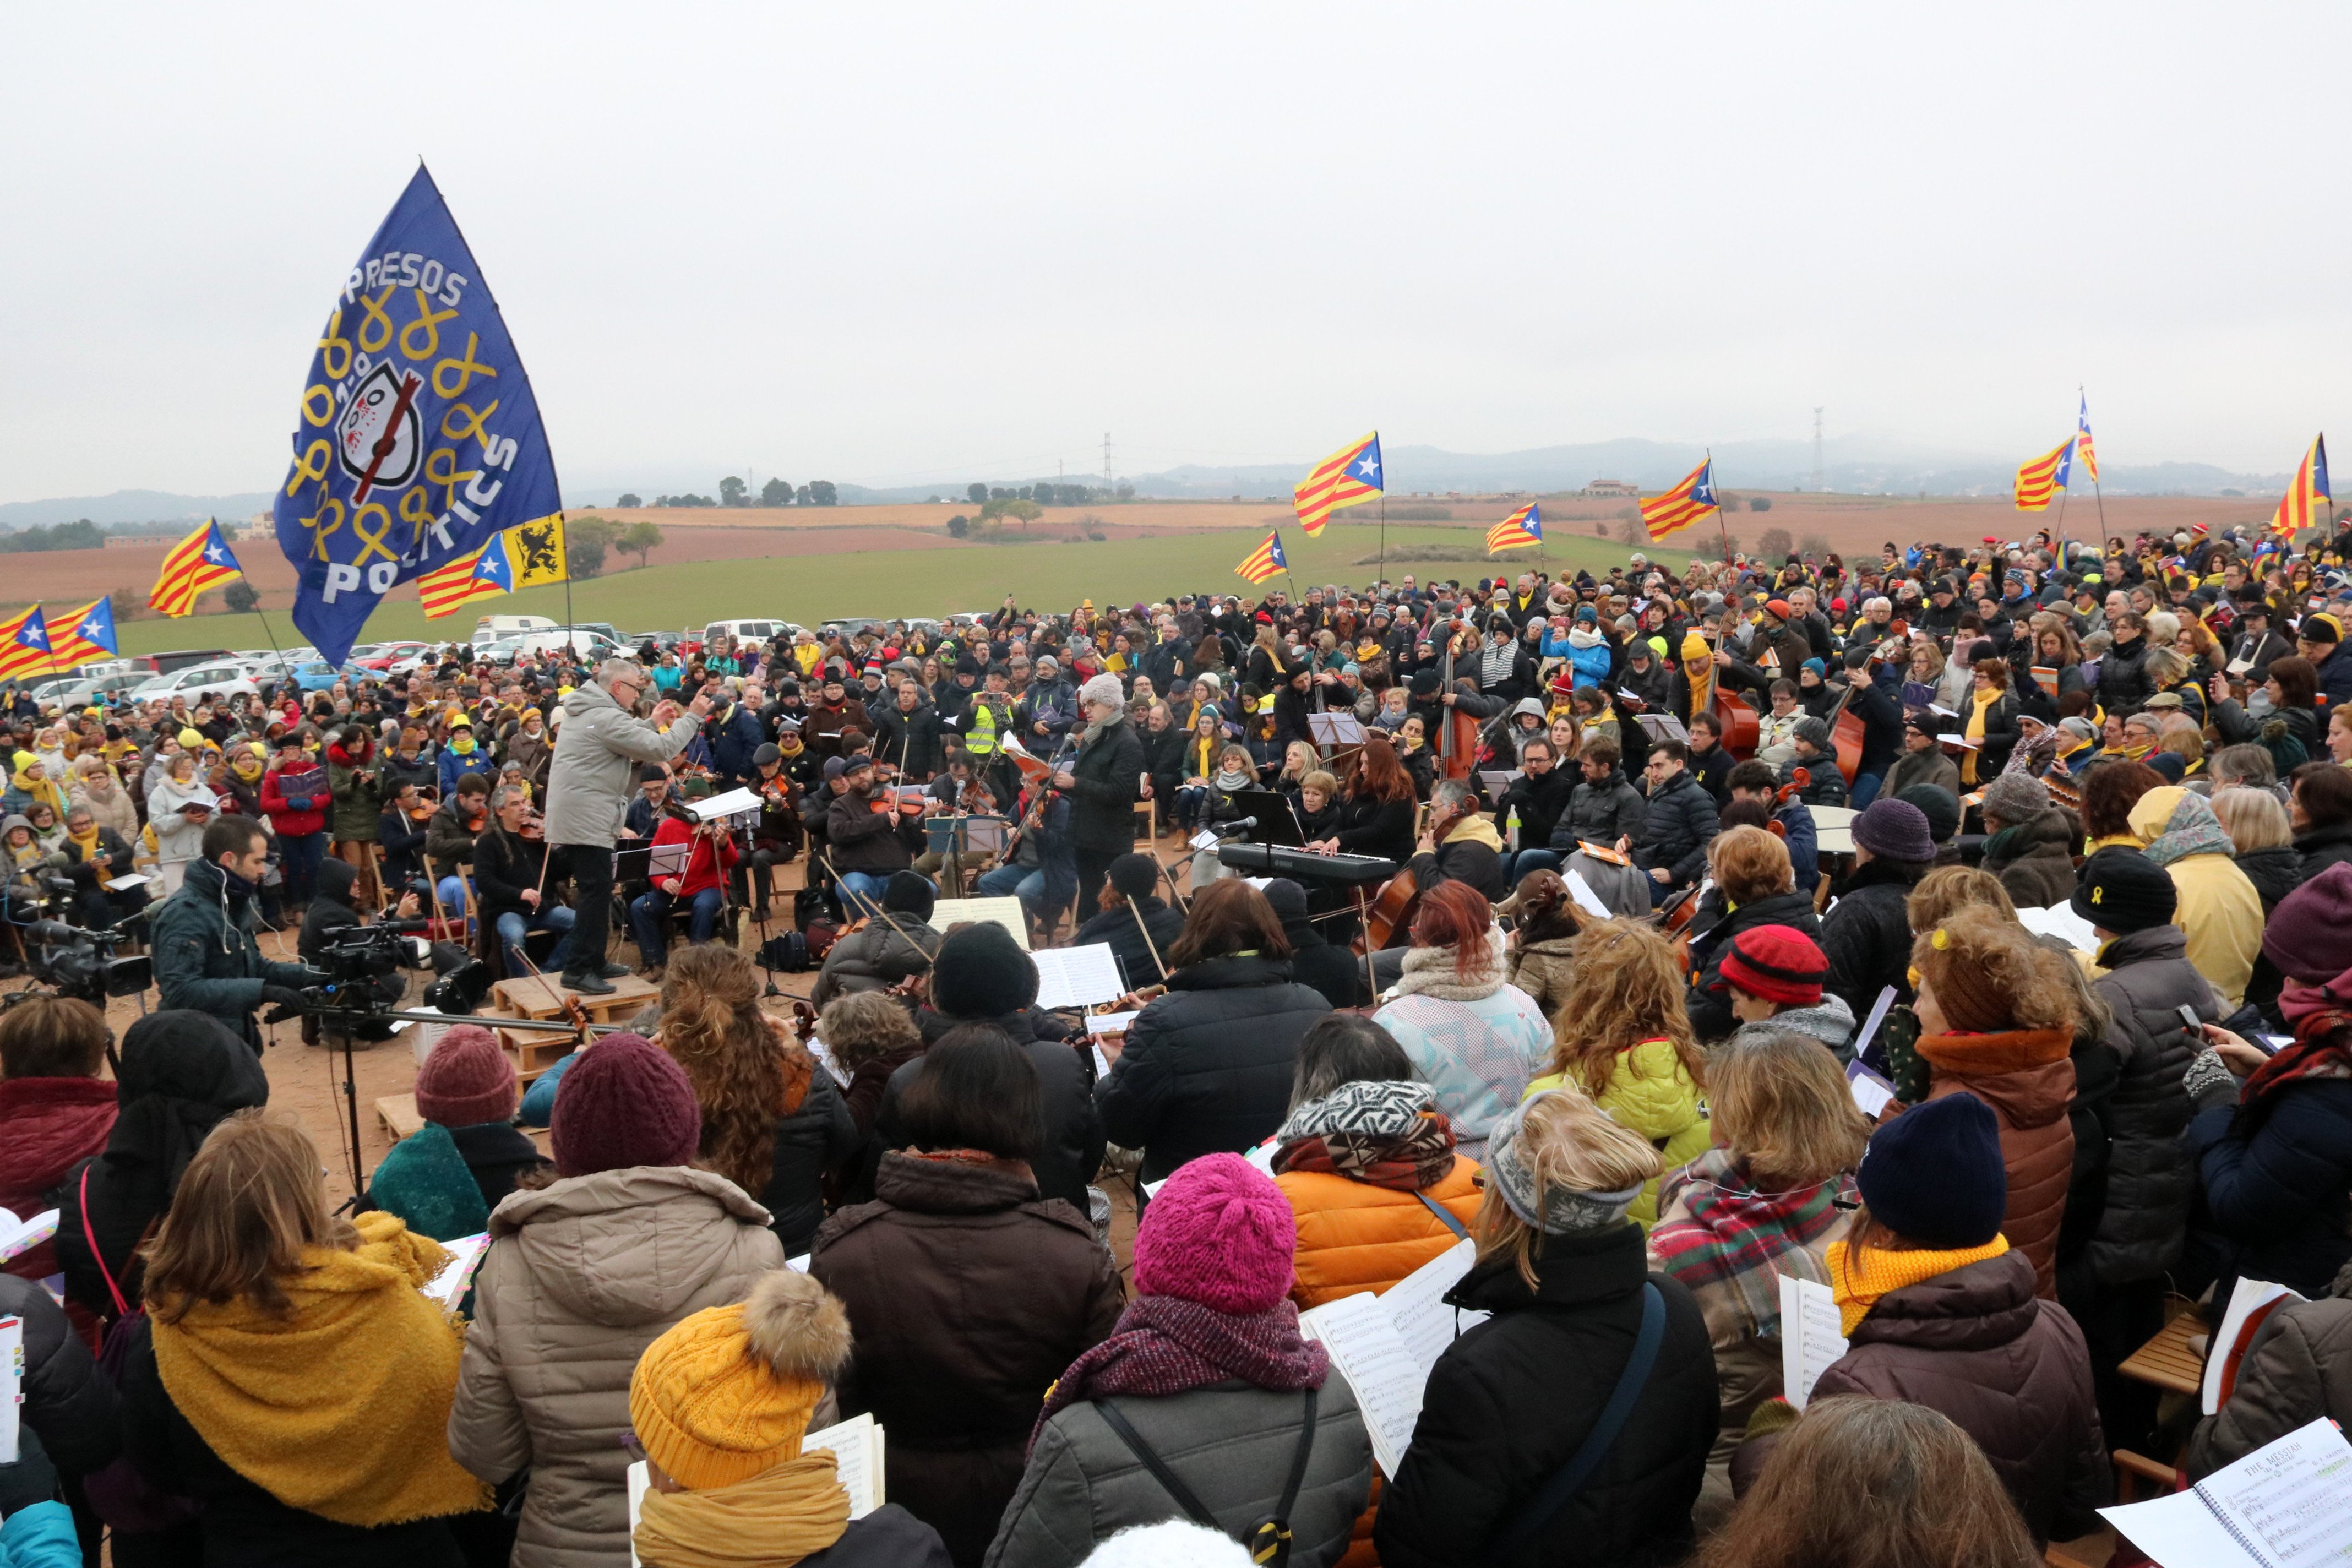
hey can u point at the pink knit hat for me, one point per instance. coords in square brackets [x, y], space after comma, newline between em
[1220, 1233]
[466, 1081]
[625, 1102]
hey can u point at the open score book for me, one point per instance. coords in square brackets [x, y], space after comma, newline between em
[2287, 1505]
[1385, 1345]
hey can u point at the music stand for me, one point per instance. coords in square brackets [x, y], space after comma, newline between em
[1662, 726]
[1276, 824]
[954, 837]
[1335, 731]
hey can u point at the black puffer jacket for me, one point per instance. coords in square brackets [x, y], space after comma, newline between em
[2124, 684]
[2033, 861]
[1676, 829]
[2275, 873]
[1710, 1003]
[811, 1143]
[1602, 813]
[2149, 1178]
[1867, 938]
[1510, 1401]
[876, 958]
[1141, 947]
[2324, 847]
[1072, 1148]
[1108, 777]
[69, 1407]
[1207, 1068]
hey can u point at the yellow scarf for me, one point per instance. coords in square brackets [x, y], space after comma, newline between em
[86, 842]
[772, 1520]
[341, 1406]
[1975, 729]
[1859, 1279]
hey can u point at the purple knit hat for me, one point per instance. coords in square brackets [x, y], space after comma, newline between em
[466, 1080]
[2309, 937]
[625, 1102]
[1220, 1233]
[1894, 830]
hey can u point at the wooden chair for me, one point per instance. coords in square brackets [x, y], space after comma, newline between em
[1150, 811]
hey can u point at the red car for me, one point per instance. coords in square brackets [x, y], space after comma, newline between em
[385, 654]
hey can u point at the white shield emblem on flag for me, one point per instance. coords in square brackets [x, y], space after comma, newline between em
[367, 419]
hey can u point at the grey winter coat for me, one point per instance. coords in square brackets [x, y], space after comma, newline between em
[1602, 813]
[1928, 767]
[1232, 1444]
[597, 751]
[876, 958]
[2034, 866]
[581, 1277]
[2149, 1179]
[2298, 1369]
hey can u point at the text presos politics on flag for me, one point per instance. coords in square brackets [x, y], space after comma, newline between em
[418, 438]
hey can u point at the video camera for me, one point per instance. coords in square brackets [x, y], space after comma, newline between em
[82, 963]
[359, 962]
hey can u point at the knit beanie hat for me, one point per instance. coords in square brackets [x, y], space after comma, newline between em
[1934, 1175]
[726, 1394]
[2122, 891]
[2016, 797]
[1135, 875]
[911, 893]
[1814, 732]
[1563, 1210]
[1780, 964]
[1894, 830]
[1221, 1233]
[1940, 805]
[625, 1102]
[982, 973]
[2309, 938]
[466, 1081]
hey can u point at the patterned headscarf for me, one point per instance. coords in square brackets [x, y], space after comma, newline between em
[1385, 1133]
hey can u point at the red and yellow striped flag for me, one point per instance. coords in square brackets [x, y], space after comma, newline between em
[1265, 560]
[1348, 477]
[2305, 503]
[83, 633]
[482, 575]
[2041, 478]
[1683, 505]
[198, 563]
[1516, 531]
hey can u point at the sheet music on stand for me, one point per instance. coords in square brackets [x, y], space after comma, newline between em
[1498, 781]
[1338, 730]
[737, 807]
[1662, 727]
[648, 861]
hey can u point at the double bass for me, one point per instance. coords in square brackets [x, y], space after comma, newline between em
[1457, 733]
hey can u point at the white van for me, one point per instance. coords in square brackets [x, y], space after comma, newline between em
[497, 628]
[591, 645]
[748, 631]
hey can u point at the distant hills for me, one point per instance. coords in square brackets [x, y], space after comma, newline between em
[1854, 465]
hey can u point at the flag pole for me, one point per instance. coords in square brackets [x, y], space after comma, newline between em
[1384, 532]
[2096, 494]
[1721, 526]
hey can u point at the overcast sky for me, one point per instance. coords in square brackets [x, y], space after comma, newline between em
[913, 242]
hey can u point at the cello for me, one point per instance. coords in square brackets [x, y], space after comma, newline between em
[1401, 894]
[1457, 733]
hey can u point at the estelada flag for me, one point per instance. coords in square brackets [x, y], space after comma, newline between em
[1683, 505]
[418, 438]
[25, 645]
[2083, 440]
[1516, 531]
[2307, 498]
[1265, 560]
[2039, 478]
[83, 634]
[197, 563]
[485, 573]
[1348, 477]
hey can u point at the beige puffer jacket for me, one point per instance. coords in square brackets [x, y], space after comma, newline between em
[581, 1277]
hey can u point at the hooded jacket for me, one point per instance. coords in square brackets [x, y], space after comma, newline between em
[2028, 1080]
[1207, 1068]
[580, 1278]
[2031, 860]
[1510, 1400]
[356, 805]
[598, 749]
[48, 1126]
[876, 958]
[968, 1296]
[2219, 908]
[206, 957]
[2009, 1370]
[2150, 1180]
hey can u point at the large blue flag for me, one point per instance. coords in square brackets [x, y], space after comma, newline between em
[419, 438]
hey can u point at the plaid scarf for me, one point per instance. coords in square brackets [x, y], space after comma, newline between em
[1166, 1345]
[1384, 1135]
[1729, 1239]
[2322, 1049]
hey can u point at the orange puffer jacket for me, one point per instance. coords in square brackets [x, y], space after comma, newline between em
[2026, 1077]
[1354, 1237]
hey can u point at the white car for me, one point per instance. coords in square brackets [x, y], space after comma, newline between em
[82, 690]
[222, 679]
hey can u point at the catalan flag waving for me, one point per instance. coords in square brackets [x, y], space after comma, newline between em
[479, 575]
[1516, 531]
[197, 562]
[84, 634]
[25, 645]
[2041, 478]
[2083, 440]
[1264, 560]
[1683, 505]
[1348, 477]
[2305, 503]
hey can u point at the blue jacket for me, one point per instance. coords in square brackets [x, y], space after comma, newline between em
[733, 741]
[2281, 1193]
[1796, 820]
[454, 767]
[41, 1536]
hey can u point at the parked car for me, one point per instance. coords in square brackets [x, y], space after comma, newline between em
[220, 679]
[318, 675]
[385, 655]
[82, 690]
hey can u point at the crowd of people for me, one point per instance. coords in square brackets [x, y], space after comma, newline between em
[1611, 1043]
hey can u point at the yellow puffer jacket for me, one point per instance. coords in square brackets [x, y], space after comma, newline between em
[1650, 1091]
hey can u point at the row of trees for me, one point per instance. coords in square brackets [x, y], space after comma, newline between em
[80, 534]
[733, 491]
[1048, 494]
[586, 541]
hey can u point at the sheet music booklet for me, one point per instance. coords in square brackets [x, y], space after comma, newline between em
[1385, 1346]
[1810, 1341]
[2252, 1302]
[1084, 976]
[2282, 1506]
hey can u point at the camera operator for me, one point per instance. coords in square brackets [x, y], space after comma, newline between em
[206, 955]
[595, 748]
[331, 913]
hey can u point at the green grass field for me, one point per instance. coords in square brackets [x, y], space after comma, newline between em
[809, 589]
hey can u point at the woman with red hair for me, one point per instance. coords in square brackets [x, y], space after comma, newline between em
[1473, 1037]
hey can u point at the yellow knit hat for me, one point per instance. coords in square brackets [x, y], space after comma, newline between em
[726, 1394]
